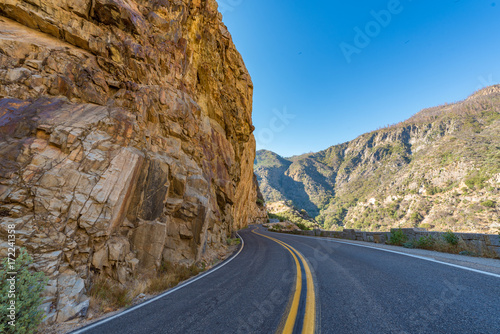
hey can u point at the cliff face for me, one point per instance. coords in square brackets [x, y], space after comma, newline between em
[439, 170]
[125, 138]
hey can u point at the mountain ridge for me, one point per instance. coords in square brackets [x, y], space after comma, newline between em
[335, 184]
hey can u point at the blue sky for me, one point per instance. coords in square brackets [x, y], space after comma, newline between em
[319, 82]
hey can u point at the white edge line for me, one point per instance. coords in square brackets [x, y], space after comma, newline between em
[133, 308]
[400, 253]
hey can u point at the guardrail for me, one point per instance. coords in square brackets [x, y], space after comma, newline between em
[480, 243]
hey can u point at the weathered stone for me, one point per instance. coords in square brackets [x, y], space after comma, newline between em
[72, 310]
[149, 241]
[492, 240]
[50, 313]
[496, 250]
[122, 121]
[185, 232]
[17, 74]
[100, 258]
[72, 301]
[118, 248]
[133, 264]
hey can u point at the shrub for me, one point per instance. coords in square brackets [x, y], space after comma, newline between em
[451, 238]
[468, 253]
[409, 244]
[302, 226]
[28, 295]
[489, 204]
[432, 190]
[425, 226]
[233, 241]
[398, 237]
[425, 242]
[476, 181]
[276, 227]
[416, 217]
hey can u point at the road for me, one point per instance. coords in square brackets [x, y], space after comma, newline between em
[291, 284]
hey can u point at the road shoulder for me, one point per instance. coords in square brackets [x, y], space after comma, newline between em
[476, 263]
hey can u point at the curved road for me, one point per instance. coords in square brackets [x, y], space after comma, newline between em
[292, 284]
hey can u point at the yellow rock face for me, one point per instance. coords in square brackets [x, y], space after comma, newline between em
[125, 137]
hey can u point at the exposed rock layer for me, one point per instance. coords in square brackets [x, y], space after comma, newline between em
[125, 138]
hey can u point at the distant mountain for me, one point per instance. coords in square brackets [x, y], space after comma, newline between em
[440, 169]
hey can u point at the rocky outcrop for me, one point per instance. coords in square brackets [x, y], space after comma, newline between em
[125, 138]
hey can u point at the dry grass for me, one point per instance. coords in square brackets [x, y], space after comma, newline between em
[108, 295]
[170, 275]
[139, 286]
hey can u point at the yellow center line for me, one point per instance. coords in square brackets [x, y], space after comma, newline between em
[310, 313]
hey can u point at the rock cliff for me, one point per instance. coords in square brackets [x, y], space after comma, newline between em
[125, 138]
[438, 170]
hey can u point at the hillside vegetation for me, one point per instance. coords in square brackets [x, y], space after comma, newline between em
[439, 170]
[285, 211]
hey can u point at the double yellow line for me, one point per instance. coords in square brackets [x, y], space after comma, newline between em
[309, 324]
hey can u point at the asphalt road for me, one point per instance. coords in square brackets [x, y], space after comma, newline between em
[290, 283]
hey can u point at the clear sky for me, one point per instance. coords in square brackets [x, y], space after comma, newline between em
[327, 71]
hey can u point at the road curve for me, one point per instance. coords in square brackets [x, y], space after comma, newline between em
[343, 287]
[301, 317]
[251, 294]
[367, 290]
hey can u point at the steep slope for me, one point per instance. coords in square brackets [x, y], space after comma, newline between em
[125, 139]
[439, 169]
[285, 211]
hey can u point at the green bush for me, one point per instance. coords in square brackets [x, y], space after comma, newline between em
[398, 237]
[489, 204]
[416, 217]
[276, 227]
[426, 226]
[476, 181]
[294, 218]
[451, 238]
[425, 242]
[432, 190]
[28, 295]
[468, 253]
[302, 226]
[409, 244]
[233, 241]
